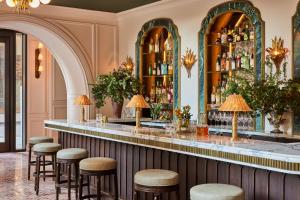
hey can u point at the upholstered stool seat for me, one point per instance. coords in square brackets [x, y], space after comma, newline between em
[40, 139]
[72, 154]
[33, 141]
[216, 191]
[97, 167]
[156, 181]
[69, 157]
[46, 147]
[156, 177]
[98, 164]
[42, 150]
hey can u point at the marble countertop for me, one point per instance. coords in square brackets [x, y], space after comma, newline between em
[281, 157]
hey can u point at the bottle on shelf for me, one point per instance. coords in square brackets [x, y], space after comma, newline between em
[251, 34]
[238, 61]
[158, 70]
[233, 63]
[151, 46]
[223, 88]
[150, 70]
[164, 68]
[223, 62]
[224, 36]
[168, 43]
[252, 60]
[213, 96]
[245, 62]
[228, 60]
[218, 63]
[170, 68]
[154, 69]
[152, 93]
[218, 40]
[156, 46]
[246, 33]
[240, 34]
[170, 92]
[229, 36]
[218, 96]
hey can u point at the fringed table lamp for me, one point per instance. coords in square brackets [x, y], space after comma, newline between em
[138, 102]
[235, 103]
[82, 100]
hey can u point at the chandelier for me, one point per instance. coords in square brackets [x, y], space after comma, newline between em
[23, 5]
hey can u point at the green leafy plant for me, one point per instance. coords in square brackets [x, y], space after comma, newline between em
[155, 110]
[117, 85]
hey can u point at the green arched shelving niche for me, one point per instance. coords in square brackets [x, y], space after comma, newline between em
[253, 14]
[171, 28]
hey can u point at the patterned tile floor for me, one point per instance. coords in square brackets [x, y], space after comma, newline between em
[14, 184]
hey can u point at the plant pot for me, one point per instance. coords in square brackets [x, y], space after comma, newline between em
[117, 109]
[276, 121]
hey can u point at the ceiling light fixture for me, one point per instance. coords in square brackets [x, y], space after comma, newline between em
[24, 5]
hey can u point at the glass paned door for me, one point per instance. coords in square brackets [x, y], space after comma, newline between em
[3, 134]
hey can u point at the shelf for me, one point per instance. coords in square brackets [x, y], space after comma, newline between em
[157, 76]
[234, 43]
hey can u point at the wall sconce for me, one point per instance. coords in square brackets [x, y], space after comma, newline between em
[38, 60]
[188, 60]
[128, 64]
[277, 52]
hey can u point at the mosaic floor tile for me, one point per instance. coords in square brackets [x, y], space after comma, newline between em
[14, 184]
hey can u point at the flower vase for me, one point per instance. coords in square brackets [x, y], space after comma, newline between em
[276, 121]
[179, 125]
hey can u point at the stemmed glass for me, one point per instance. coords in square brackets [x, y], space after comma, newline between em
[217, 118]
[211, 117]
[250, 122]
[228, 119]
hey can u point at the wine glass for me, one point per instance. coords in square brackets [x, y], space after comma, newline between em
[210, 117]
[229, 119]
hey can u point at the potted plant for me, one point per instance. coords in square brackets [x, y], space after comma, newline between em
[117, 85]
[273, 95]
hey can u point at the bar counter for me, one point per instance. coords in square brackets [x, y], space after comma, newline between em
[265, 170]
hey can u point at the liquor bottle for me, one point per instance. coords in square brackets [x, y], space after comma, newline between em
[213, 96]
[252, 60]
[229, 36]
[170, 92]
[170, 68]
[150, 70]
[240, 33]
[246, 33]
[218, 96]
[158, 70]
[223, 87]
[218, 40]
[223, 62]
[233, 63]
[151, 45]
[238, 61]
[169, 43]
[152, 93]
[156, 46]
[218, 63]
[154, 69]
[227, 66]
[251, 34]
[224, 36]
[164, 68]
[245, 62]
[234, 34]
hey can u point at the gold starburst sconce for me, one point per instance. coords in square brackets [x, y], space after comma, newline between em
[188, 61]
[128, 64]
[277, 52]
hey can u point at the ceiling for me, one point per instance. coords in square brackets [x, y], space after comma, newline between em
[113, 6]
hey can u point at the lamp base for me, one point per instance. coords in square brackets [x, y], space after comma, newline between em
[234, 136]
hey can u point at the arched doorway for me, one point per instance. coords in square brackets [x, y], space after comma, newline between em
[64, 47]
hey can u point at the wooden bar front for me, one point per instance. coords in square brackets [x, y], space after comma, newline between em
[258, 184]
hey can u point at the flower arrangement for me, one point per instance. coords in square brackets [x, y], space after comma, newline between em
[184, 115]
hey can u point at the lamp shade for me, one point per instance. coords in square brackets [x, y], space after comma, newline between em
[137, 101]
[235, 103]
[82, 100]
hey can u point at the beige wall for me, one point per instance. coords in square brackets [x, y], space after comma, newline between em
[188, 15]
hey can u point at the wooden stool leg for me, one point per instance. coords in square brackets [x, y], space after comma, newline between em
[80, 186]
[57, 181]
[44, 168]
[89, 183]
[69, 181]
[29, 161]
[98, 187]
[37, 178]
[54, 165]
[135, 195]
[116, 186]
[76, 169]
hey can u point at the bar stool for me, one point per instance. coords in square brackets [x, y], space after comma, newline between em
[98, 166]
[69, 157]
[33, 141]
[44, 149]
[216, 191]
[156, 181]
